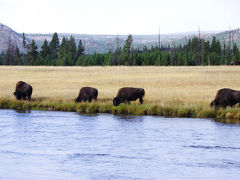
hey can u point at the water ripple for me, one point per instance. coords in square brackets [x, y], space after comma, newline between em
[212, 147]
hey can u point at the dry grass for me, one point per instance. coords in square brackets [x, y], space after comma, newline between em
[163, 85]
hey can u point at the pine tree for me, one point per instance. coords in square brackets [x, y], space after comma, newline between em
[32, 53]
[25, 47]
[80, 49]
[54, 46]
[127, 49]
[236, 52]
[63, 49]
[45, 50]
[72, 48]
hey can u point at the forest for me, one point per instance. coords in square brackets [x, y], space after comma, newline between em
[196, 51]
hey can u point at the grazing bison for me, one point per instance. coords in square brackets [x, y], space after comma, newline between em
[23, 90]
[127, 94]
[87, 94]
[235, 63]
[226, 97]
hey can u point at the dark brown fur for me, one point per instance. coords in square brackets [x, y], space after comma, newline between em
[127, 94]
[226, 97]
[235, 63]
[23, 90]
[87, 94]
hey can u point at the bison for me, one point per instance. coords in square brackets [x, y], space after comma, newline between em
[23, 90]
[226, 97]
[235, 63]
[87, 94]
[127, 94]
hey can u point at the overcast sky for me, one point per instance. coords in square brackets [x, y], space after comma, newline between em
[119, 16]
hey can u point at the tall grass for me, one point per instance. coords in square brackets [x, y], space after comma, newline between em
[133, 109]
[170, 91]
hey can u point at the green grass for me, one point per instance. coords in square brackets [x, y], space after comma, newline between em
[132, 109]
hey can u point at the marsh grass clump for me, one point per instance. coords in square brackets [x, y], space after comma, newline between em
[105, 108]
[81, 107]
[206, 113]
[92, 108]
[186, 112]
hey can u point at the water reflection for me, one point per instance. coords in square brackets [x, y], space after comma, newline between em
[23, 111]
[228, 121]
[129, 118]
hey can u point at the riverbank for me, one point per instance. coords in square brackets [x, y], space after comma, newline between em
[132, 109]
[169, 91]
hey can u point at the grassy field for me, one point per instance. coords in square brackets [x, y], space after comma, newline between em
[183, 88]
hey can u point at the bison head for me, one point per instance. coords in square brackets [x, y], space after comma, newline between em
[78, 99]
[17, 95]
[213, 103]
[116, 101]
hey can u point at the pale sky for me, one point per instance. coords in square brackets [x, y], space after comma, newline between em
[119, 16]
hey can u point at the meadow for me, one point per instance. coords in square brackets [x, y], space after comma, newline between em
[170, 91]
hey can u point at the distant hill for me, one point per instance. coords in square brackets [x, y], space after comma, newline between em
[221, 36]
[225, 35]
[104, 43]
[7, 33]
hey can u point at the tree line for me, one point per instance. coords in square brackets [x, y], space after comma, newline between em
[195, 51]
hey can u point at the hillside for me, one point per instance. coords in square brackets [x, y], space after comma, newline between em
[225, 35]
[221, 36]
[7, 33]
[104, 43]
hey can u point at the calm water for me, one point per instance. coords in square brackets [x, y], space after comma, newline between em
[59, 145]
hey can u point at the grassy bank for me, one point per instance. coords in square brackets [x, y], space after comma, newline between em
[134, 109]
[170, 91]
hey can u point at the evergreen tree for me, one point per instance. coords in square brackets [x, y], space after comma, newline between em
[236, 52]
[68, 60]
[45, 50]
[63, 49]
[32, 53]
[25, 47]
[80, 49]
[54, 46]
[127, 48]
[72, 48]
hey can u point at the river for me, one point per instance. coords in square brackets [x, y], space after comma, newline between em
[65, 145]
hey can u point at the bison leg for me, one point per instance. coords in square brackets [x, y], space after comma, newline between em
[141, 100]
[24, 97]
[223, 106]
[126, 102]
[89, 99]
[29, 98]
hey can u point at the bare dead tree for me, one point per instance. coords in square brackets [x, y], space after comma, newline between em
[84, 43]
[229, 41]
[10, 52]
[233, 44]
[159, 48]
[110, 46]
[199, 47]
[117, 51]
[187, 48]
[224, 50]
